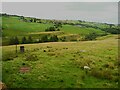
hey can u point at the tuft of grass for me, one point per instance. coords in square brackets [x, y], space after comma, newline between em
[109, 65]
[9, 56]
[31, 57]
[103, 74]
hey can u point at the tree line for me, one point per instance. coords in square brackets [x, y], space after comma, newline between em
[24, 40]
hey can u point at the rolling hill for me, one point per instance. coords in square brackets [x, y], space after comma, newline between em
[16, 26]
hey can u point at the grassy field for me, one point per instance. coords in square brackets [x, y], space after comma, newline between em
[60, 64]
[14, 26]
[80, 30]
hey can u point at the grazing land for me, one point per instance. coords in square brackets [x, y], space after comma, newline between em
[69, 31]
[59, 63]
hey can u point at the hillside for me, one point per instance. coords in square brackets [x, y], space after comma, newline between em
[69, 30]
[58, 53]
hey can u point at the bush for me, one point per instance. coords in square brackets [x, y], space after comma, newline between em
[91, 36]
[50, 29]
[54, 28]
[53, 38]
[13, 40]
[58, 24]
[63, 39]
[44, 38]
[24, 40]
[30, 40]
[112, 30]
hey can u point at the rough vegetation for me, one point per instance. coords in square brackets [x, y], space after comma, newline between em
[59, 53]
[60, 65]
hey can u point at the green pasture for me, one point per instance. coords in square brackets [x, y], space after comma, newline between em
[60, 64]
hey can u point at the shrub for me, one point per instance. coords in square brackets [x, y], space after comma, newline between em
[13, 40]
[53, 38]
[44, 38]
[50, 29]
[91, 36]
[24, 40]
[58, 24]
[30, 40]
[16, 40]
[63, 39]
[112, 30]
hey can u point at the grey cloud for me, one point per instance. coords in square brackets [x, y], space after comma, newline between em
[90, 11]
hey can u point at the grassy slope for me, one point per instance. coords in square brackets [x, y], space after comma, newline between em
[60, 65]
[13, 26]
[79, 30]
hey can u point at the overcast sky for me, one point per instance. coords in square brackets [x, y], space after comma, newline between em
[106, 12]
[60, 0]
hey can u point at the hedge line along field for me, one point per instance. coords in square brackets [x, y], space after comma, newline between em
[61, 64]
